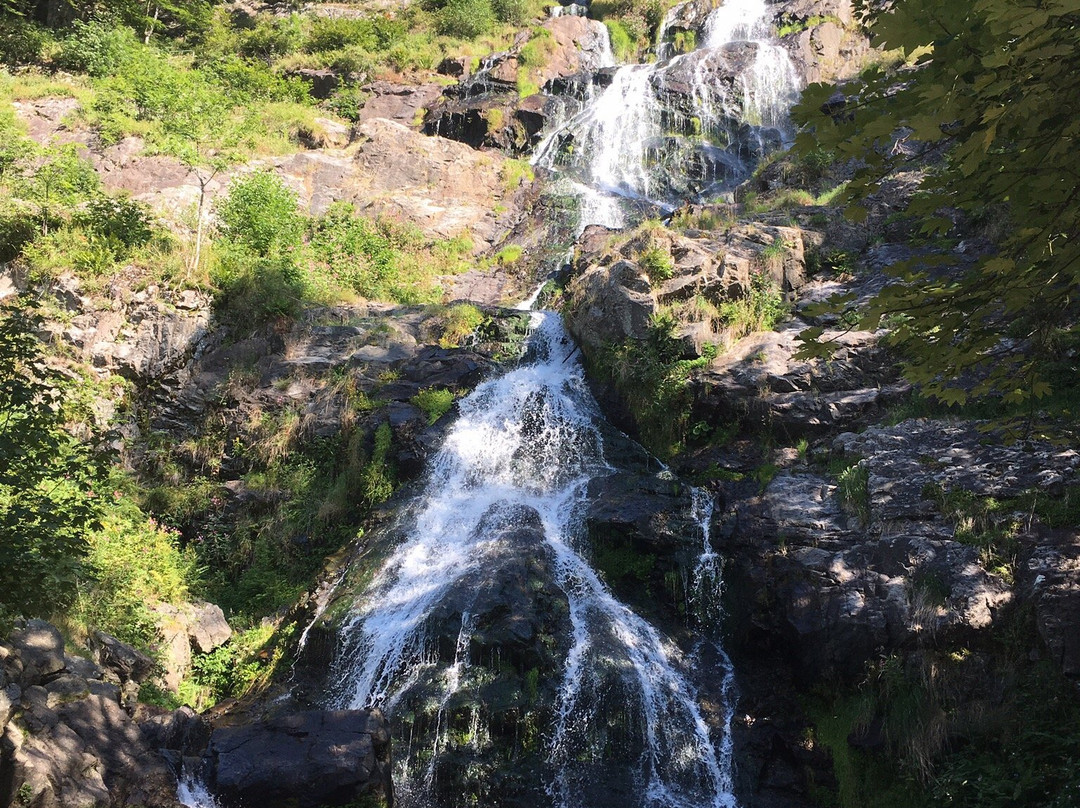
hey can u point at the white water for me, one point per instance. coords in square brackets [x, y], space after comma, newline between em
[529, 439]
[619, 134]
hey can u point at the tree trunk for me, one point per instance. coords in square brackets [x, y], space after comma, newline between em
[199, 225]
[152, 23]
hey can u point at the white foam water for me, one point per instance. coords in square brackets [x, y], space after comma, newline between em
[618, 134]
[530, 439]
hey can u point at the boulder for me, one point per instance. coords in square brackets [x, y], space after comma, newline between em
[186, 627]
[128, 664]
[321, 83]
[309, 759]
[609, 304]
[208, 628]
[85, 751]
[40, 648]
[846, 587]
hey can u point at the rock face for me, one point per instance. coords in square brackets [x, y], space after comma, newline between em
[828, 575]
[65, 739]
[611, 296]
[443, 187]
[643, 539]
[485, 109]
[824, 39]
[310, 759]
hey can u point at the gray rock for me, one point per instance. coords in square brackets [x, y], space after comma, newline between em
[208, 628]
[82, 667]
[40, 646]
[126, 662]
[65, 687]
[308, 759]
[7, 707]
[107, 690]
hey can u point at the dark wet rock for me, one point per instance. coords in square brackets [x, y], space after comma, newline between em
[322, 83]
[485, 109]
[182, 730]
[685, 18]
[643, 538]
[309, 759]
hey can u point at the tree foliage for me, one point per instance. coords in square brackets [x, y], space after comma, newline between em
[47, 478]
[988, 100]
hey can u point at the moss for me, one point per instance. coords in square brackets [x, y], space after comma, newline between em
[435, 402]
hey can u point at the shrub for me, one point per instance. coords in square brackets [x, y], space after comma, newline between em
[261, 213]
[22, 43]
[458, 322]
[17, 229]
[48, 501]
[466, 19]
[97, 47]
[253, 290]
[347, 101]
[514, 12]
[134, 563]
[118, 219]
[273, 37]
[657, 263]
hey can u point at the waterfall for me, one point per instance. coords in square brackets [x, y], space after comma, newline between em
[640, 138]
[525, 446]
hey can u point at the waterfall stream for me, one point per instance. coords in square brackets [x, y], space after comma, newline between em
[524, 447]
[645, 140]
[487, 593]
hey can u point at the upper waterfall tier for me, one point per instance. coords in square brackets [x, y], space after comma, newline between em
[684, 127]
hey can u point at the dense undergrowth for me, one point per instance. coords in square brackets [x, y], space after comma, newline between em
[119, 527]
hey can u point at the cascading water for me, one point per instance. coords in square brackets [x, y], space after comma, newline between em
[522, 451]
[605, 709]
[689, 125]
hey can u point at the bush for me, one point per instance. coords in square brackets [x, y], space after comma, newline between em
[246, 81]
[260, 213]
[347, 101]
[48, 478]
[514, 12]
[356, 252]
[17, 229]
[97, 47]
[134, 563]
[272, 38]
[22, 43]
[254, 290]
[119, 219]
[459, 322]
[466, 19]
